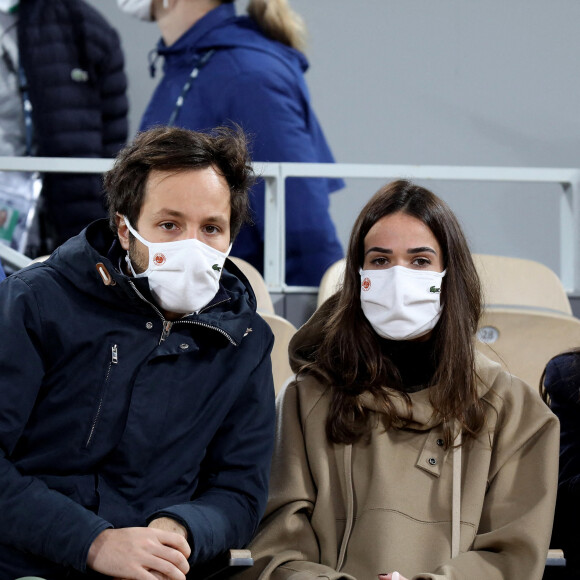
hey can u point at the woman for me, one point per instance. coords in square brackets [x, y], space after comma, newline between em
[249, 70]
[400, 451]
[561, 388]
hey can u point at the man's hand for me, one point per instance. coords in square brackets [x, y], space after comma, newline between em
[169, 525]
[140, 554]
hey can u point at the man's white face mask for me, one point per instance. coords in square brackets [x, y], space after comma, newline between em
[8, 5]
[184, 275]
[401, 303]
[140, 9]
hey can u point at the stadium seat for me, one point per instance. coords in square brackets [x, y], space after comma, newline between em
[258, 285]
[283, 331]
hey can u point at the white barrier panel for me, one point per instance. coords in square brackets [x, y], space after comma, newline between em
[275, 175]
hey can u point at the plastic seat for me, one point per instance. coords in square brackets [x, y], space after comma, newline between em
[258, 284]
[524, 340]
[283, 331]
[522, 283]
[331, 281]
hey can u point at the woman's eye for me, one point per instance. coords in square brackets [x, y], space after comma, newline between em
[380, 261]
[422, 262]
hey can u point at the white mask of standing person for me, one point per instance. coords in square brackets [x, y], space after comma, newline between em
[401, 303]
[140, 9]
[184, 275]
[8, 6]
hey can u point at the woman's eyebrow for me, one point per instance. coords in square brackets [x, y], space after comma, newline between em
[378, 249]
[421, 249]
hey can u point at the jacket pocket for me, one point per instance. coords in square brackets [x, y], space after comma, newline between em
[98, 408]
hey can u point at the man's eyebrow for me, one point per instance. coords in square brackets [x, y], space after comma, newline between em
[166, 212]
[169, 213]
[216, 218]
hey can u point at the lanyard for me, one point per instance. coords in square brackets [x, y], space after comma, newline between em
[193, 75]
[27, 107]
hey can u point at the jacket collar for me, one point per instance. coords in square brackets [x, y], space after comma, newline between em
[90, 261]
[198, 33]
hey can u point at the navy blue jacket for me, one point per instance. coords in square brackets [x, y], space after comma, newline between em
[105, 423]
[562, 382]
[259, 84]
[74, 65]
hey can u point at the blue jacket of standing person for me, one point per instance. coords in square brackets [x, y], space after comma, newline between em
[168, 419]
[259, 84]
[74, 67]
[2, 274]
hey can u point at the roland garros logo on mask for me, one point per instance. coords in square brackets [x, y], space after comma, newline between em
[159, 259]
[366, 284]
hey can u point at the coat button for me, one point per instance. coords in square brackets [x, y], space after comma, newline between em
[440, 442]
[149, 326]
[432, 460]
[184, 346]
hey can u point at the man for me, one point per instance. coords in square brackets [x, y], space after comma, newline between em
[136, 395]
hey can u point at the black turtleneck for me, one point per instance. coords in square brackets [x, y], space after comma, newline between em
[415, 361]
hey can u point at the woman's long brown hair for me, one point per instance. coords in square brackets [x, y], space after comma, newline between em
[349, 358]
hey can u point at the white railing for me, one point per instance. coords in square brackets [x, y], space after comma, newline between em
[275, 175]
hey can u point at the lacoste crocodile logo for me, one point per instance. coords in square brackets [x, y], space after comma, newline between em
[435, 290]
[216, 268]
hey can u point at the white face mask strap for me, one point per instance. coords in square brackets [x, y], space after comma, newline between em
[135, 232]
[130, 264]
[166, 4]
[143, 241]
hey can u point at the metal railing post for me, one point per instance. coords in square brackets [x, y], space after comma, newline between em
[274, 256]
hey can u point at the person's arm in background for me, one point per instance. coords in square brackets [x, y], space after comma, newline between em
[114, 104]
[562, 382]
[283, 127]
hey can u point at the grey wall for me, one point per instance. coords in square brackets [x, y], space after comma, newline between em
[453, 82]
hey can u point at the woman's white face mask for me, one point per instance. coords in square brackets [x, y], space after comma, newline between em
[140, 9]
[184, 275]
[401, 303]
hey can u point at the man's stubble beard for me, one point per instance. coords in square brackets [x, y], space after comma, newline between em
[139, 259]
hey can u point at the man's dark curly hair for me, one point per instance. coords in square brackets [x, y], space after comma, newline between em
[176, 149]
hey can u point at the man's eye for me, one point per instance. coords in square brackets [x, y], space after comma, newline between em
[211, 229]
[168, 226]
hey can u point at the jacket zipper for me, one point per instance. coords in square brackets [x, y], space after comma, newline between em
[114, 360]
[168, 324]
[205, 325]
